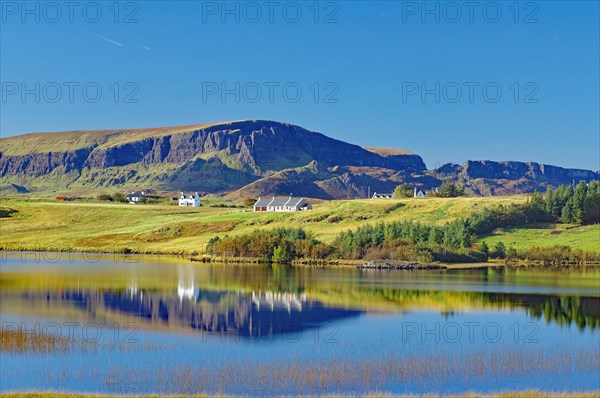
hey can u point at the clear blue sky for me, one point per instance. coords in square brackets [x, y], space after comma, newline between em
[372, 59]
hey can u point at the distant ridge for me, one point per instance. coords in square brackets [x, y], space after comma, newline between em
[244, 158]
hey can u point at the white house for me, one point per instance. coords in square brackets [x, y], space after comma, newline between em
[419, 194]
[192, 199]
[281, 204]
[136, 197]
[422, 194]
[383, 196]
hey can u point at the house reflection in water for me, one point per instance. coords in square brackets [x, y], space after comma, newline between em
[186, 291]
[271, 300]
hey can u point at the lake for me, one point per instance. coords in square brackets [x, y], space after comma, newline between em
[152, 324]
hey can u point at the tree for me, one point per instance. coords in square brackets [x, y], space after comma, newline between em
[249, 202]
[485, 248]
[537, 201]
[119, 197]
[212, 243]
[579, 202]
[499, 250]
[104, 197]
[436, 235]
[404, 191]
[567, 212]
[450, 190]
[511, 253]
[592, 203]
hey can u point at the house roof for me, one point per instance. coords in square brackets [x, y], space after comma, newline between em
[135, 194]
[282, 201]
[262, 202]
[295, 202]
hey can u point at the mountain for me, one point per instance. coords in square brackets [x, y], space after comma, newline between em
[242, 159]
[485, 177]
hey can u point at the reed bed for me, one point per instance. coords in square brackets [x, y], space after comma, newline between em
[296, 376]
[37, 343]
[21, 341]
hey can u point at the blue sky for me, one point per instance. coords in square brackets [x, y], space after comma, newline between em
[362, 69]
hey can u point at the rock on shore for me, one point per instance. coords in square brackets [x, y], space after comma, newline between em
[406, 265]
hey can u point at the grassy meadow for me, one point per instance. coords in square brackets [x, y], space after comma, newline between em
[100, 226]
[57, 225]
[585, 237]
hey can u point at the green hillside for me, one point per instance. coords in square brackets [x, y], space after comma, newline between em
[89, 226]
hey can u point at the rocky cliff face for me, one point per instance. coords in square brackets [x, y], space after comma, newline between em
[253, 157]
[500, 178]
[210, 159]
[517, 170]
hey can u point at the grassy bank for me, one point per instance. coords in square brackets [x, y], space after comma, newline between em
[547, 235]
[108, 227]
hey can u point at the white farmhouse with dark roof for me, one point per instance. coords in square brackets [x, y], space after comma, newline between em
[192, 199]
[286, 204]
[136, 197]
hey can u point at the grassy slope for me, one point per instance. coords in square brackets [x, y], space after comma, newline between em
[54, 225]
[545, 235]
[71, 140]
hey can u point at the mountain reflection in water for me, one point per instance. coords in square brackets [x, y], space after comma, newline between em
[258, 314]
[170, 293]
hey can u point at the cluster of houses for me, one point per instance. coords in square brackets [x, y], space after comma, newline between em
[269, 204]
[274, 204]
[417, 194]
[185, 200]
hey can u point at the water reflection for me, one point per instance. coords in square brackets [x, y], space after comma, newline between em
[258, 314]
[267, 313]
[186, 314]
[259, 301]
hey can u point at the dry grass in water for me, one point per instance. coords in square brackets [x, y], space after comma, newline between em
[296, 376]
[21, 341]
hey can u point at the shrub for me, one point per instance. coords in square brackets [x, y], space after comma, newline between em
[282, 254]
[104, 197]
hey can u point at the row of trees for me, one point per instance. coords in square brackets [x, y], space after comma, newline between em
[446, 190]
[579, 205]
[117, 197]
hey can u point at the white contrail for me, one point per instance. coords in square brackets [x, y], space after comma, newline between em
[146, 48]
[106, 39]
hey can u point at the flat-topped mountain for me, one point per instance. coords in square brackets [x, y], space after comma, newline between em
[241, 158]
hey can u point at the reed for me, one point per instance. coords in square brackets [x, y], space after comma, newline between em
[21, 341]
[338, 374]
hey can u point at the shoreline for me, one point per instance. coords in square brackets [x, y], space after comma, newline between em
[314, 263]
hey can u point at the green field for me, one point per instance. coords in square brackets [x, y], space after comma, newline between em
[96, 226]
[546, 235]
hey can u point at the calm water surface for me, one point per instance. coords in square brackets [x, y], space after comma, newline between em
[146, 324]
